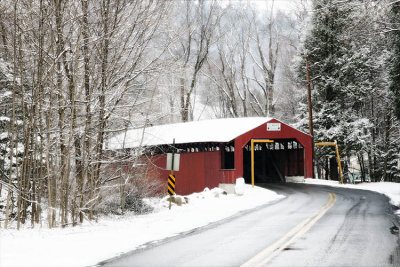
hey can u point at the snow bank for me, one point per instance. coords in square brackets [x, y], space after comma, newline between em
[89, 244]
[391, 190]
[239, 186]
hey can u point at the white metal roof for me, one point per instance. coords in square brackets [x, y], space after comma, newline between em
[218, 130]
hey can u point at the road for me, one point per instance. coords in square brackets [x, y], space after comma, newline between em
[313, 226]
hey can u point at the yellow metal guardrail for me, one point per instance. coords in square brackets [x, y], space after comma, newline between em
[337, 155]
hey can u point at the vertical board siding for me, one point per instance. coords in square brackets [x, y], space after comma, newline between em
[286, 132]
[197, 171]
[203, 169]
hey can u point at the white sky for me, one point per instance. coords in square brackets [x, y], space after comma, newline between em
[285, 5]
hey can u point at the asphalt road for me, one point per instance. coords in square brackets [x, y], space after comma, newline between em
[313, 226]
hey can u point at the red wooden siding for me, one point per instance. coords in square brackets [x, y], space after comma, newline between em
[261, 132]
[203, 169]
[197, 171]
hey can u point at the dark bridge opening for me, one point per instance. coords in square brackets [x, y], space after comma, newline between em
[228, 156]
[274, 161]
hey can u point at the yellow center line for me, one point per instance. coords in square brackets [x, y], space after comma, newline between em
[273, 250]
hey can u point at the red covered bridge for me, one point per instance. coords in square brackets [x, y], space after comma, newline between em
[217, 152]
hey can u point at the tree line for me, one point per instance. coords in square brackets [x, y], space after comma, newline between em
[353, 52]
[74, 73]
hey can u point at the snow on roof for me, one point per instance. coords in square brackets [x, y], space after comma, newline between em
[218, 130]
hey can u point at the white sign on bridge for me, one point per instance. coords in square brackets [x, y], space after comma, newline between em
[176, 160]
[273, 126]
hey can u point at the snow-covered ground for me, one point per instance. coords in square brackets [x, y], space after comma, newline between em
[89, 244]
[391, 190]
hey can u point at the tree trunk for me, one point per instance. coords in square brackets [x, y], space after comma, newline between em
[11, 132]
[86, 148]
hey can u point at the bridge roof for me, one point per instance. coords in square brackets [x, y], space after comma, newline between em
[206, 131]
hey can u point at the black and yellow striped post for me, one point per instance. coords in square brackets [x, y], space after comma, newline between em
[171, 185]
[171, 177]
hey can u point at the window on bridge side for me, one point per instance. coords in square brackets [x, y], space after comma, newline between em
[228, 156]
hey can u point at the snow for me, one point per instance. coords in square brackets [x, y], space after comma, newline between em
[391, 190]
[88, 244]
[3, 136]
[220, 130]
[5, 94]
[239, 186]
[5, 69]
[3, 118]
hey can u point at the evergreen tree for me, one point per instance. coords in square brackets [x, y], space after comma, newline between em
[351, 100]
[329, 52]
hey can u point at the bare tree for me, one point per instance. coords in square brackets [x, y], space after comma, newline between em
[77, 65]
[12, 121]
[265, 61]
[194, 37]
[228, 71]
